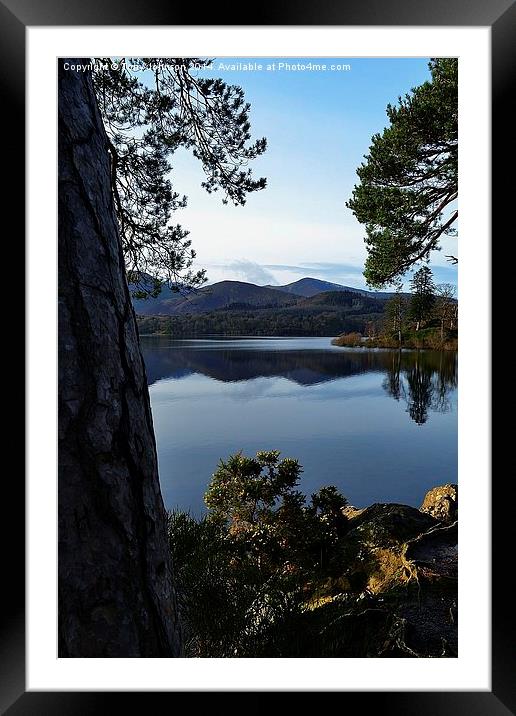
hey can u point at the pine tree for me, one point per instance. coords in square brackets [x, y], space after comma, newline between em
[116, 134]
[423, 296]
[408, 187]
[150, 109]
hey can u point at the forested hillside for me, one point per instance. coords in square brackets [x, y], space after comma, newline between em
[327, 314]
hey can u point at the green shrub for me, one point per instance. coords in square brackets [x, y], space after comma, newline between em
[242, 570]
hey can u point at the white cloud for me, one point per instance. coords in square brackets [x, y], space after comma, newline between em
[219, 236]
[251, 272]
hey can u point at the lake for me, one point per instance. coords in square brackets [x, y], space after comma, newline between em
[379, 425]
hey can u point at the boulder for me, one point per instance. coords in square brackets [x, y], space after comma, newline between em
[376, 542]
[384, 524]
[435, 551]
[442, 503]
[396, 596]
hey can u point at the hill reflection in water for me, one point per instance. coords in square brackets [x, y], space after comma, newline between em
[422, 379]
[380, 425]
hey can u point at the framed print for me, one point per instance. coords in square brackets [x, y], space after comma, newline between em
[261, 427]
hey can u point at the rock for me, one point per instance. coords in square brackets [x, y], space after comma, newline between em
[384, 524]
[407, 561]
[442, 503]
[397, 594]
[435, 552]
[376, 542]
[431, 621]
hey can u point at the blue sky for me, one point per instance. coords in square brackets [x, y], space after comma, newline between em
[318, 126]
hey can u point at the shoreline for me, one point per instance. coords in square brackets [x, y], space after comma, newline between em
[366, 345]
[411, 343]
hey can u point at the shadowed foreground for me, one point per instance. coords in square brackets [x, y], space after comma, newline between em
[269, 573]
[116, 595]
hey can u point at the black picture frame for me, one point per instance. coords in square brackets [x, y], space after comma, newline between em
[500, 16]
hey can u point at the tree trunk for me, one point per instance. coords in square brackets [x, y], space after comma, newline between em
[116, 596]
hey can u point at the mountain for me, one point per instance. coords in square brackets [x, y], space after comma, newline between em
[239, 295]
[164, 305]
[312, 286]
[265, 313]
[342, 299]
[224, 295]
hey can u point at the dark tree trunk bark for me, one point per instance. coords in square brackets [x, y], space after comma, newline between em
[116, 595]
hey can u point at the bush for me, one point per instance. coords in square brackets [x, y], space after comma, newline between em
[242, 570]
[268, 573]
[348, 339]
[426, 338]
[213, 592]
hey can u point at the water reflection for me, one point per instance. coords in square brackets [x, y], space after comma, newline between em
[380, 425]
[423, 380]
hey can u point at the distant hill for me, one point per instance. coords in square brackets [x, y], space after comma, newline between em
[238, 308]
[341, 299]
[239, 295]
[312, 286]
[163, 305]
[265, 312]
[225, 295]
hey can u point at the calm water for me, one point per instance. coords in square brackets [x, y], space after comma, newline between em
[380, 425]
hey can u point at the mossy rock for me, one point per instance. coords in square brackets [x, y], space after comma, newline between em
[382, 525]
[442, 503]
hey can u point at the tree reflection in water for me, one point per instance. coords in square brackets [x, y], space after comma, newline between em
[424, 380]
